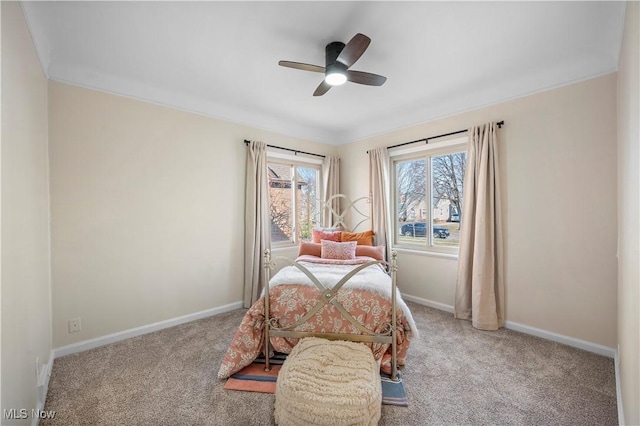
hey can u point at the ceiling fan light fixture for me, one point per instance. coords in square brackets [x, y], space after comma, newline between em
[335, 78]
[336, 74]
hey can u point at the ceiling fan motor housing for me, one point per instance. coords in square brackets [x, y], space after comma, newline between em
[331, 55]
[332, 51]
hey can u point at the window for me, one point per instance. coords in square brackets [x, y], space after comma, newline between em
[429, 186]
[293, 213]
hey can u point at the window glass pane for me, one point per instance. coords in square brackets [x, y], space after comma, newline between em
[447, 180]
[281, 202]
[307, 201]
[411, 212]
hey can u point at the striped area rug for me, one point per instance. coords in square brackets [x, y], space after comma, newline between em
[253, 378]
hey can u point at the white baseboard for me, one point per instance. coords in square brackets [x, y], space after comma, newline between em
[42, 384]
[138, 331]
[616, 362]
[429, 303]
[560, 338]
[548, 335]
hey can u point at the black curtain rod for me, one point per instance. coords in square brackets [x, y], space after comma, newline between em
[295, 151]
[499, 123]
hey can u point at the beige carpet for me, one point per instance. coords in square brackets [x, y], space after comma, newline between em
[454, 375]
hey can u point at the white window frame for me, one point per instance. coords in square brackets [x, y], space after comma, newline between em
[296, 161]
[414, 153]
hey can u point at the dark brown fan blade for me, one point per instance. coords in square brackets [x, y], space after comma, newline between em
[354, 49]
[301, 66]
[322, 89]
[365, 78]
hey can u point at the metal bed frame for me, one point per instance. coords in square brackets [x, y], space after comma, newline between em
[328, 295]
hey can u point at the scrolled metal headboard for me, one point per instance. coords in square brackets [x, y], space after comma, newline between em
[347, 211]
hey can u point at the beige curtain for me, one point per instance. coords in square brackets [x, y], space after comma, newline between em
[257, 222]
[480, 284]
[379, 192]
[330, 187]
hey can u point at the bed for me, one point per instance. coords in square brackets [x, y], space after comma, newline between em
[335, 289]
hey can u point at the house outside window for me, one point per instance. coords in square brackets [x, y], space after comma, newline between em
[294, 207]
[429, 186]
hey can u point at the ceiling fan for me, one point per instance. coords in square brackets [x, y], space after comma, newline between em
[339, 58]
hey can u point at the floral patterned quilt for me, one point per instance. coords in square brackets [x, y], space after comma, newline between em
[366, 296]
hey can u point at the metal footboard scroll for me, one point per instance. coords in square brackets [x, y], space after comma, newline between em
[272, 327]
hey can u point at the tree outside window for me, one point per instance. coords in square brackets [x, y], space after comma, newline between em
[293, 213]
[429, 193]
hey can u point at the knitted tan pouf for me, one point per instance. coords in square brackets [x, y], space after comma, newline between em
[325, 382]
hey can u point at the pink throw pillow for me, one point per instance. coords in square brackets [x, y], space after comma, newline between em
[342, 251]
[377, 252]
[313, 249]
[319, 235]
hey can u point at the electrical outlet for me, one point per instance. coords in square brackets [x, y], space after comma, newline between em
[74, 325]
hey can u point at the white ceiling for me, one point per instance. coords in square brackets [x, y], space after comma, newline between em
[221, 58]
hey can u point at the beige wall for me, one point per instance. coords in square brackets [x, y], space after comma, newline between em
[26, 299]
[558, 164]
[629, 216]
[145, 204]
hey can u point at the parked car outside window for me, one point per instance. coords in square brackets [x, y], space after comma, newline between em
[419, 229]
